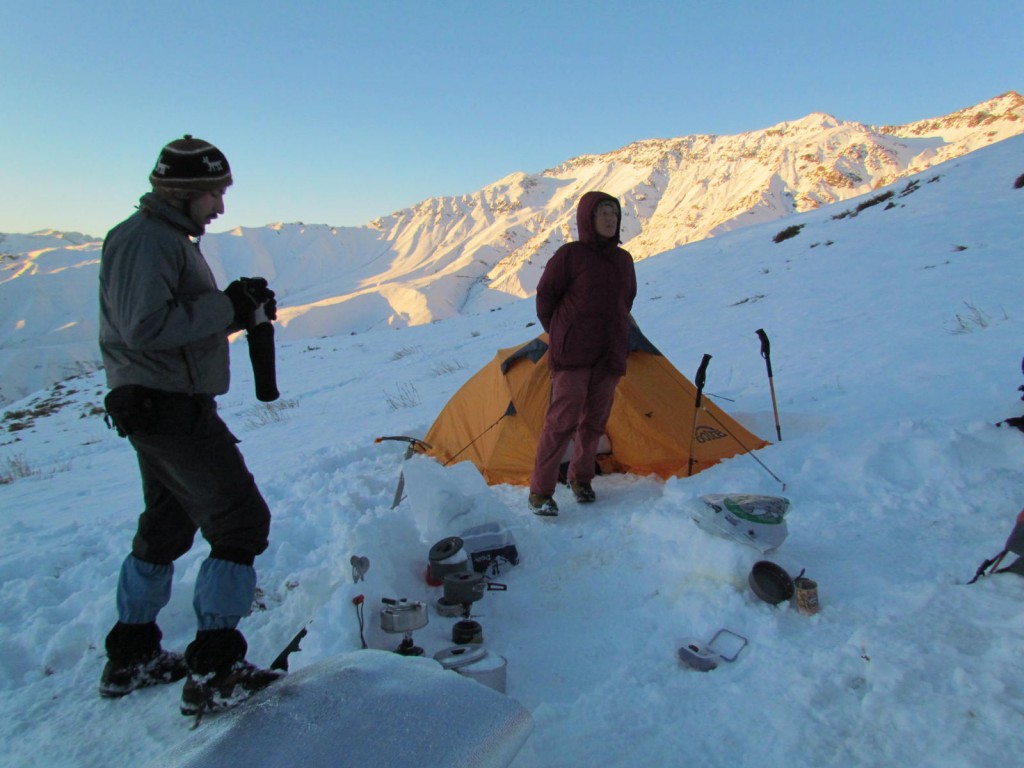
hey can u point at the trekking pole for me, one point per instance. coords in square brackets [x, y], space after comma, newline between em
[766, 353]
[699, 381]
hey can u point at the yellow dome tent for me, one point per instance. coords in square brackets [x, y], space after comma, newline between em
[495, 419]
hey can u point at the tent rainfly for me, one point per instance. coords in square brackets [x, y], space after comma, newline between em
[495, 419]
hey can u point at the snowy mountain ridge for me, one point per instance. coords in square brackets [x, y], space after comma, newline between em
[479, 252]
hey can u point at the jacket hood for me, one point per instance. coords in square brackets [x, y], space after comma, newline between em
[155, 205]
[585, 216]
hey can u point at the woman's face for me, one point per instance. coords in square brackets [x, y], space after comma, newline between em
[606, 219]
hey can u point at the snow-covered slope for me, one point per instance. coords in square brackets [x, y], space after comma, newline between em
[896, 332]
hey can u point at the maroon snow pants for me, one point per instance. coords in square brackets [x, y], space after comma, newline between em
[581, 401]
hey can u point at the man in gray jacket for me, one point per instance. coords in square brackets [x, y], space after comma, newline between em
[164, 329]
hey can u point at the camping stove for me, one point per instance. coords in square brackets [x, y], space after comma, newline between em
[467, 588]
[403, 617]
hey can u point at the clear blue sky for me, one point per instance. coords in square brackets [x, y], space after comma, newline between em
[338, 112]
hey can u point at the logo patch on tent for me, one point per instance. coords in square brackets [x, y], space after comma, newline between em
[707, 434]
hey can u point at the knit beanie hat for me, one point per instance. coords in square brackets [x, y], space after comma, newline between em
[190, 163]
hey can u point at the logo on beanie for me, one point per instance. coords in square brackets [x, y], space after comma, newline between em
[191, 163]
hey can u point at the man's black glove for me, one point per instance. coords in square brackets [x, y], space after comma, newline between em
[270, 307]
[247, 294]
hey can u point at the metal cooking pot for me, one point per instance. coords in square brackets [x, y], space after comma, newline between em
[770, 582]
[476, 663]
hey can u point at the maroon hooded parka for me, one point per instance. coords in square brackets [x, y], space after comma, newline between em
[585, 296]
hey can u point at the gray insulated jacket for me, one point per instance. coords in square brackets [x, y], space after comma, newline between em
[163, 321]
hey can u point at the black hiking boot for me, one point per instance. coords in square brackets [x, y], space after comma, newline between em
[218, 691]
[543, 506]
[121, 678]
[136, 660]
[219, 677]
[583, 492]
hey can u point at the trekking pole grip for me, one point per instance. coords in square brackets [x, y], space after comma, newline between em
[766, 349]
[701, 376]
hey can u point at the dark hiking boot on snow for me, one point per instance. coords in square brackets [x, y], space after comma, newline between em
[544, 506]
[120, 678]
[219, 677]
[136, 660]
[217, 691]
[583, 492]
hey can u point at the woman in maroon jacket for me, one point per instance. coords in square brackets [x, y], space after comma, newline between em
[584, 299]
